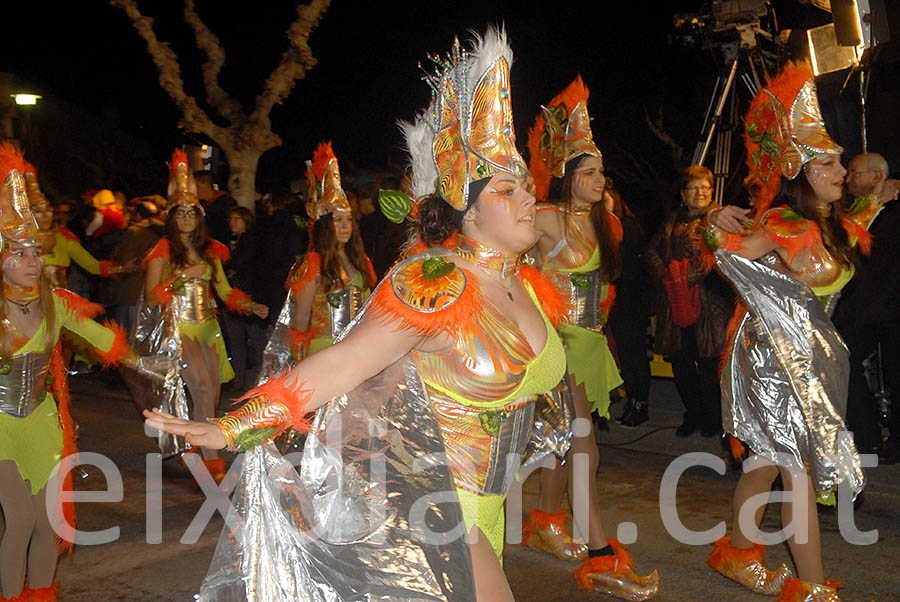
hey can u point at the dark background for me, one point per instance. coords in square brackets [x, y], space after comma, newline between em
[105, 121]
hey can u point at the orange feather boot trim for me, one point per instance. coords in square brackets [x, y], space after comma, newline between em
[747, 566]
[613, 575]
[45, 594]
[546, 532]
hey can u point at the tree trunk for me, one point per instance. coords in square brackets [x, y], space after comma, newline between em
[242, 166]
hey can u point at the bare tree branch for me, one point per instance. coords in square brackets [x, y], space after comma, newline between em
[192, 116]
[224, 104]
[295, 62]
[658, 129]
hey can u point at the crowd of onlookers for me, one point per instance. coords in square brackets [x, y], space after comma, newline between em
[667, 277]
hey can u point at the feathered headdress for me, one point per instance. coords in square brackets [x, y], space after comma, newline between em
[16, 221]
[323, 184]
[783, 131]
[182, 188]
[467, 132]
[36, 198]
[560, 133]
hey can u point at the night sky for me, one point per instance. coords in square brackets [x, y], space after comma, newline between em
[367, 76]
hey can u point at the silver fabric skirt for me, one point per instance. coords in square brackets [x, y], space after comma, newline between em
[785, 377]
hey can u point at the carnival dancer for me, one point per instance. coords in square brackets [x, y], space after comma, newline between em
[578, 249]
[36, 429]
[437, 376]
[331, 282]
[60, 246]
[180, 269]
[785, 372]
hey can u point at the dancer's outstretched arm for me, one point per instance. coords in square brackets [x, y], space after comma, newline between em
[370, 348]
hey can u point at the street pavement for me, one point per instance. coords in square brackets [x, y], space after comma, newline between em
[632, 464]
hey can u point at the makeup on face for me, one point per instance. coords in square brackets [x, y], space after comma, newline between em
[589, 181]
[21, 265]
[826, 178]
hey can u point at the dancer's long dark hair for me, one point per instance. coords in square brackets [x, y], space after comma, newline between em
[178, 253]
[326, 245]
[799, 196]
[610, 257]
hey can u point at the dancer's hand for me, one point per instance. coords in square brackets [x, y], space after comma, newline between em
[198, 434]
[260, 311]
[730, 218]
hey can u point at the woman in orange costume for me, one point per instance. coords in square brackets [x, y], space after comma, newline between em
[578, 249]
[470, 333]
[60, 246]
[36, 430]
[785, 373]
[182, 265]
[332, 281]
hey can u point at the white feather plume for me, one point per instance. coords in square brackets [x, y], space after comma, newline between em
[486, 49]
[423, 172]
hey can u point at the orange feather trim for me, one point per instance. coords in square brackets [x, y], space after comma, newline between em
[239, 302]
[296, 280]
[29, 168]
[68, 234]
[725, 556]
[10, 158]
[107, 267]
[614, 564]
[119, 348]
[450, 319]
[160, 249]
[300, 339]
[543, 521]
[59, 388]
[178, 156]
[537, 160]
[44, 594]
[78, 305]
[371, 277]
[554, 304]
[218, 251]
[162, 293]
[292, 396]
[863, 237]
[738, 449]
[607, 304]
[321, 157]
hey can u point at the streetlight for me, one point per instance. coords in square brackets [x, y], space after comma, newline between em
[26, 99]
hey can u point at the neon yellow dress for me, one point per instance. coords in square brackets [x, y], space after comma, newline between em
[65, 248]
[195, 307]
[31, 428]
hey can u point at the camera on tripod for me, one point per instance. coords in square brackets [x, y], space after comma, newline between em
[725, 25]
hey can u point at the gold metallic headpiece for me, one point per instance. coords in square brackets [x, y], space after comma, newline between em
[16, 220]
[323, 184]
[182, 188]
[470, 121]
[560, 133]
[36, 198]
[780, 141]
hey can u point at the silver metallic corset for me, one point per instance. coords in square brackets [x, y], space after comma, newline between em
[196, 302]
[22, 389]
[584, 291]
[344, 304]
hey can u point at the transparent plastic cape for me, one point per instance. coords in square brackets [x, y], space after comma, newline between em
[371, 514]
[277, 353]
[155, 334]
[785, 377]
